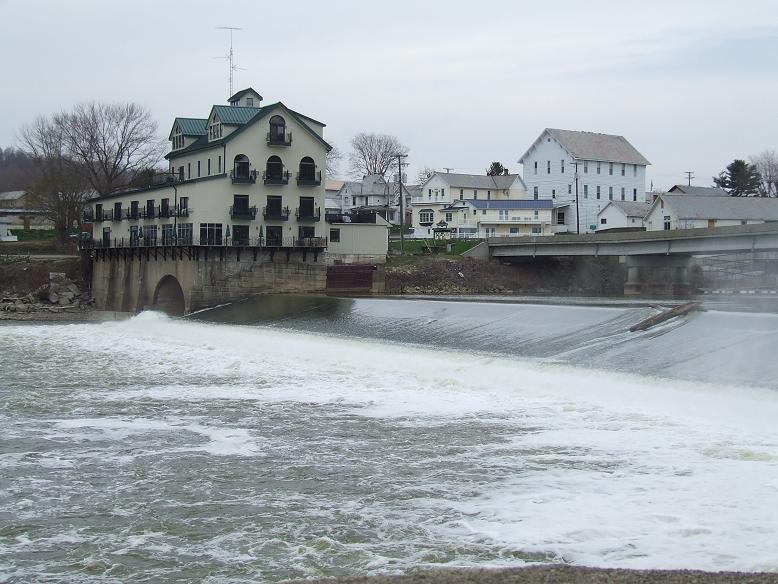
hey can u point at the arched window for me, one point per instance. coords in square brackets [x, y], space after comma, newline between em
[277, 130]
[274, 168]
[241, 168]
[307, 169]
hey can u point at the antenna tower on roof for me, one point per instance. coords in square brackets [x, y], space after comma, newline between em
[229, 56]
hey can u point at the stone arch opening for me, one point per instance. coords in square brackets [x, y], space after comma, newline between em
[169, 297]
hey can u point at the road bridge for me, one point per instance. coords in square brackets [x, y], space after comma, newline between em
[644, 251]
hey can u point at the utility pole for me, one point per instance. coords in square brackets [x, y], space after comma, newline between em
[577, 216]
[402, 206]
[690, 175]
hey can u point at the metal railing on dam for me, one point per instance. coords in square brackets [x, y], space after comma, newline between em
[737, 238]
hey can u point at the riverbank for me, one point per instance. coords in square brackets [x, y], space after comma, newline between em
[562, 575]
[469, 276]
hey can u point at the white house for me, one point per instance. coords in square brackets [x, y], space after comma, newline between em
[622, 215]
[678, 211]
[246, 174]
[567, 166]
[468, 205]
[373, 193]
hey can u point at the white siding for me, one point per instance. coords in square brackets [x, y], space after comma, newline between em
[561, 186]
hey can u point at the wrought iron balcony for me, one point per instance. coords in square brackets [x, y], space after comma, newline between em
[165, 212]
[240, 176]
[213, 241]
[183, 211]
[116, 215]
[308, 214]
[279, 138]
[273, 213]
[103, 216]
[240, 212]
[89, 216]
[147, 213]
[131, 215]
[276, 179]
[308, 179]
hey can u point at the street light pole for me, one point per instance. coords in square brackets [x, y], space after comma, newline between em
[402, 206]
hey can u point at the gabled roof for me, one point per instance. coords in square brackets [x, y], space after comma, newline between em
[189, 126]
[12, 195]
[202, 142]
[243, 92]
[701, 191]
[707, 207]
[512, 204]
[192, 126]
[477, 181]
[629, 208]
[593, 146]
[233, 115]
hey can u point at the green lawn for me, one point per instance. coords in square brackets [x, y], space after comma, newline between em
[418, 246]
[34, 234]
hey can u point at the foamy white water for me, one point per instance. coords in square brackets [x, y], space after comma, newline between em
[165, 449]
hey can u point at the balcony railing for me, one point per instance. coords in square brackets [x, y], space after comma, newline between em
[183, 211]
[240, 212]
[276, 179]
[165, 212]
[243, 177]
[279, 138]
[148, 213]
[103, 216]
[308, 214]
[273, 213]
[116, 215]
[262, 241]
[132, 215]
[309, 180]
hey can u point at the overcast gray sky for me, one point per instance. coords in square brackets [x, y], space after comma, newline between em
[691, 83]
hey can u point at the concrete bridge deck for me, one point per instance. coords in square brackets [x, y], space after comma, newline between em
[684, 242]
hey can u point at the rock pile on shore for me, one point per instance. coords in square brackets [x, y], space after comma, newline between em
[60, 294]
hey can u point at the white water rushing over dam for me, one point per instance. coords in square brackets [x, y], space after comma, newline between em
[170, 450]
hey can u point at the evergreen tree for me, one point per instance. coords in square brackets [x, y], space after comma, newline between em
[496, 169]
[740, 179]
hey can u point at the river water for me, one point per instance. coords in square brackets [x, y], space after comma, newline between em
[298, 437]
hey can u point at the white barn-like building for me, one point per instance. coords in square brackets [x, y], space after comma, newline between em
[678, 211]
[609, 168]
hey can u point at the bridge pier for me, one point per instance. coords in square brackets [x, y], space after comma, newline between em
[657, 274]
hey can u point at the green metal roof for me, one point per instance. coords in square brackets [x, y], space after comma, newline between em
[202, 142]
[192, 126]
[235, 115]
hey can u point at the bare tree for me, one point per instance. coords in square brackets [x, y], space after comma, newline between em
[374, 153]
[766, 163]
[110, 142]
[424, 174]
[58, 190]
[332, 161]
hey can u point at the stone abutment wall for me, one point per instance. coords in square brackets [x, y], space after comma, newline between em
[140, 279]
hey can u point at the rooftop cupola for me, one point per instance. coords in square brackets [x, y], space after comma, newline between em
[246, 98]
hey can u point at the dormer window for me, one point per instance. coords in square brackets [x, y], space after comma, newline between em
[178, 139]
[215, 130]
[249, 102]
